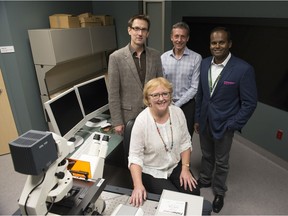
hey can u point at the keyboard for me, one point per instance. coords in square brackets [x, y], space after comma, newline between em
[96, 122]
[85, 148]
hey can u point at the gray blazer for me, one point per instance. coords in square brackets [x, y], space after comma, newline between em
[125, 88]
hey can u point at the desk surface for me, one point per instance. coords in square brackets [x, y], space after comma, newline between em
[114, 140]
[113, 196]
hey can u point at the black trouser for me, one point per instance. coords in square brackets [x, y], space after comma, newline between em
[157, 185]
[189, 112]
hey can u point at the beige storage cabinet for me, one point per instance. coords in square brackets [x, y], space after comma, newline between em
[66, 57]
[53, 46]
[98, 43]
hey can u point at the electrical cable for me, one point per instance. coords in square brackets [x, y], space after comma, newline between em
[25, 205]
[51, 205]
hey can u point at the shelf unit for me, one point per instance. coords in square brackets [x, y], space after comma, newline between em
[65, 57]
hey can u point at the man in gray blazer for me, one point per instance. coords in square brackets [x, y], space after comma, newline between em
[129, 68]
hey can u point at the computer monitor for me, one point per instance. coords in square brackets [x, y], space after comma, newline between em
[93, 96]
[66, 115]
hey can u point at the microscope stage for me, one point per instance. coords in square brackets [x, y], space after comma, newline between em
[79, 198]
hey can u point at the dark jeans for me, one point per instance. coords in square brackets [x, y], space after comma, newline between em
[157, 185]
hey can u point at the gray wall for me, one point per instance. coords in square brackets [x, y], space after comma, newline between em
[20, 77]
[121, 12]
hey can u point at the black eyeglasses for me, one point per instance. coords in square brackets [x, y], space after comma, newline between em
[138, 29]
[156, 96]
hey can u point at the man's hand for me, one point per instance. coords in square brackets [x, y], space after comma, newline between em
[119, 129]
[196, 128]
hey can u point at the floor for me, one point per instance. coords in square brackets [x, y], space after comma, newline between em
[256, 185]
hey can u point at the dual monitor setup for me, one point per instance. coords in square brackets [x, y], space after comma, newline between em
[71, 110]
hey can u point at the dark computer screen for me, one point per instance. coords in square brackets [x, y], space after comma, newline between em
[93, 95]
[65, 113]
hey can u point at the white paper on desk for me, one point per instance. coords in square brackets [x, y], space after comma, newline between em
[172, 207]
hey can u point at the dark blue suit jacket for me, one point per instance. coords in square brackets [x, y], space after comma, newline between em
[233, 101]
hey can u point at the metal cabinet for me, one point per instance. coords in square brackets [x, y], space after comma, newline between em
[65, 57]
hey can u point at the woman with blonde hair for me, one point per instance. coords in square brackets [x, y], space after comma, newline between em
[160, 146]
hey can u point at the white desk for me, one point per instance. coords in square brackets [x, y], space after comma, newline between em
[112, 200]
[113, 196]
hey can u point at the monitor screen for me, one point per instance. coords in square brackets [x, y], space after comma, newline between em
[65, 113]
[93, 96]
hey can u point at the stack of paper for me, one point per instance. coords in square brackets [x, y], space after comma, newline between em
[176, 203]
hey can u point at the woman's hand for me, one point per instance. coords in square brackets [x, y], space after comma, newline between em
[138, 196]
[186, 179]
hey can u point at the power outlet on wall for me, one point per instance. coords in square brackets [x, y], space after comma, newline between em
[279, 134]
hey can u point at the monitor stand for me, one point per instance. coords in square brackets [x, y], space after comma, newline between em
[77, 140]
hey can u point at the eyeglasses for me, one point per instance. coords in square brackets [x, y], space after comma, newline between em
[137, 29]
[156, 96]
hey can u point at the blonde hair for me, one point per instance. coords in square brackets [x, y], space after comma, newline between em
[153, 84]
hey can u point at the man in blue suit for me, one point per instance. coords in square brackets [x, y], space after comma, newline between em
[226, 99]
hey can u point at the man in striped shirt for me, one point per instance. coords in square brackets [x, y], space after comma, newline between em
[181, 67]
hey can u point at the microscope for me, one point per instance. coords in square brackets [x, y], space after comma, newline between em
[50, 187]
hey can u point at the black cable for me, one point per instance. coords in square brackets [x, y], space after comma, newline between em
[51, 205]
[25, 205]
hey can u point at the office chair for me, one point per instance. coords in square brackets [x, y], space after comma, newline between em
[126, 139]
